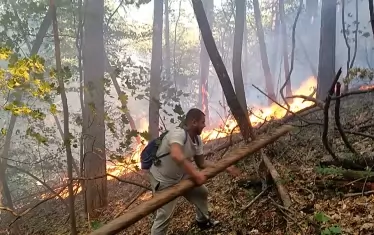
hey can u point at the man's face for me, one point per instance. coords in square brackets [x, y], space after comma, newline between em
[199, 125]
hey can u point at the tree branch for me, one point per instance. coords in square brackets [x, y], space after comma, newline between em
[326, 116]
[288, 78]
[338, 123]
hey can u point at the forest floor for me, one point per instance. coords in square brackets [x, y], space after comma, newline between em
[323, 200]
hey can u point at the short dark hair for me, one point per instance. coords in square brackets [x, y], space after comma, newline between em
[194, 114]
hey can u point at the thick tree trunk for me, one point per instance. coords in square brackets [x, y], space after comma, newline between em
[263, 52]
[154, 101]
[96, 193]
[326, 65]
[205, 64]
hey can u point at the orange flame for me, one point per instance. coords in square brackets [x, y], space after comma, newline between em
[259, 114]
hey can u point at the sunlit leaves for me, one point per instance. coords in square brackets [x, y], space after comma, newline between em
[37, 136]
[3, 131]
[53, 109]
[5, 53]
[22, 109]
[357, 73]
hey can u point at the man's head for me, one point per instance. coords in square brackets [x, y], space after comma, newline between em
[195, 121]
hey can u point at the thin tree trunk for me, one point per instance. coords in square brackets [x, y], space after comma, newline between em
[205, 64]
[240, 9]
[69, 155]
[154, 101]
[371, 10]
[220, 68]
[285, 49]
[167, 42]
[79, 44]
[264, 57]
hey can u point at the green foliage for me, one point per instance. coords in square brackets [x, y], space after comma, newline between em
[95, 224]
[321, 218]
[333, 230]
[359, 74]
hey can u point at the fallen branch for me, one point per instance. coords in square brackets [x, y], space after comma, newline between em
[3, 208]
[285, 108]
[283, 193]
[115, 177]
[130, 203]
[359, 194]
[359, 133]
[40, 181]
[319, 103]
[343, 185]
[354, 93]
[163, 197]
[18, 216]
[254, 199]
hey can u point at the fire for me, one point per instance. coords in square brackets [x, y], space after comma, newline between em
[366, 87]
[260, 114]
[257, 116]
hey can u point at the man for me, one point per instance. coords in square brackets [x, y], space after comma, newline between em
[178, 165]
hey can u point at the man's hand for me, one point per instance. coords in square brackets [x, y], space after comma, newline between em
[233, 171]
[199, 178]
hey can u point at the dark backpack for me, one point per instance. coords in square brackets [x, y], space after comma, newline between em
[148, 155]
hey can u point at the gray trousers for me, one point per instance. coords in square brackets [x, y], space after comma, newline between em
[197, 196]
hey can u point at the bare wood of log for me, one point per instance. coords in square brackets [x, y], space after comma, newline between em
[163, 197]
[283, 193]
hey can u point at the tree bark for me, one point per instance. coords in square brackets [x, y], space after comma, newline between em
[96, 193]
[263, 52]
[167, 42]
[232, 100]
[171, 193]
[285, 48]
[205, 64]
[240, 8]
[69, 155]
[371, 10]
[154, 101]
[326, 65]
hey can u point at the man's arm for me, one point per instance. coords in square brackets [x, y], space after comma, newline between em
[176, 154]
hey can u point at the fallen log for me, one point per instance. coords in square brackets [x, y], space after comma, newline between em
[283, 193]
[163, 197]
[344, 185]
